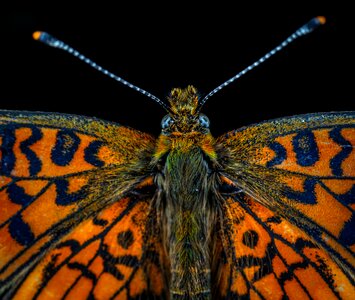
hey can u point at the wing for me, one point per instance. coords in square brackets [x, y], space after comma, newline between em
[300, 171]
[108, 256]
[56, 171]
[268, 257]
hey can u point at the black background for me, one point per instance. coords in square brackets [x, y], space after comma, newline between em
[158, 47]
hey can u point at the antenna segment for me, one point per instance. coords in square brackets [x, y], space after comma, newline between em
[49, 40]
[305, 29]
[54, 42]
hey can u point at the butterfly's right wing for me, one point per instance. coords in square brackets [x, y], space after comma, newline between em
[57, 171]
[265, 256]
[299, 177]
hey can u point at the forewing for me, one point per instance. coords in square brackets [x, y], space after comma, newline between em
[55, 172]
[303, 170]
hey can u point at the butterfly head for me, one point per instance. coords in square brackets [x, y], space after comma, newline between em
[184, 116]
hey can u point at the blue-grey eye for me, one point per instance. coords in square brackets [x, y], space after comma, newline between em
[204, 121]
[166, 122]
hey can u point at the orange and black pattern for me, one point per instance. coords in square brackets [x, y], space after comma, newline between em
[273, 259]
[55, 172]
[294, 234]
[102, 258]
[79, 214]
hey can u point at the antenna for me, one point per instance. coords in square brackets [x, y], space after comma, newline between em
[305, 29]
[49, 40]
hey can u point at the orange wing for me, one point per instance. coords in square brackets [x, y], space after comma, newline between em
[104, 257]
[55, 172]
[299, 175]
[268, 257]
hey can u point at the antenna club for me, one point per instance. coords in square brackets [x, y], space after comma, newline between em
[37, 35]
[321, 19]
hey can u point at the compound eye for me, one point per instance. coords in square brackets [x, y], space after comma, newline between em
[166, 122]
[204, 121]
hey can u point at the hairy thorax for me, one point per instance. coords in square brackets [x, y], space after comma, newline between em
[186, 162]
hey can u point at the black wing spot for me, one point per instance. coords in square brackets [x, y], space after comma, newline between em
[274, 219]
[74, 245]
[308, 196]
[18, 195]
[337, 160]
[280, 154]
[66, 145]
[21, 231]
[347, 236]
[99, 222]
[301, 244]
[35, 162]
[348, 197]
[125, 239]
[65, 198]
[91, 154]
[7, 161]
[250, 239]
[306, 149]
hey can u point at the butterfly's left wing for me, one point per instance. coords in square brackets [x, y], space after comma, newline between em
[298, 177]
[56, 171]
[111, 255]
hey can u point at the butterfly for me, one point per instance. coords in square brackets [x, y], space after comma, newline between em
[91, 209]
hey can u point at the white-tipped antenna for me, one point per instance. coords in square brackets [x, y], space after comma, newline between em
[305, 29]
[49, 40]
